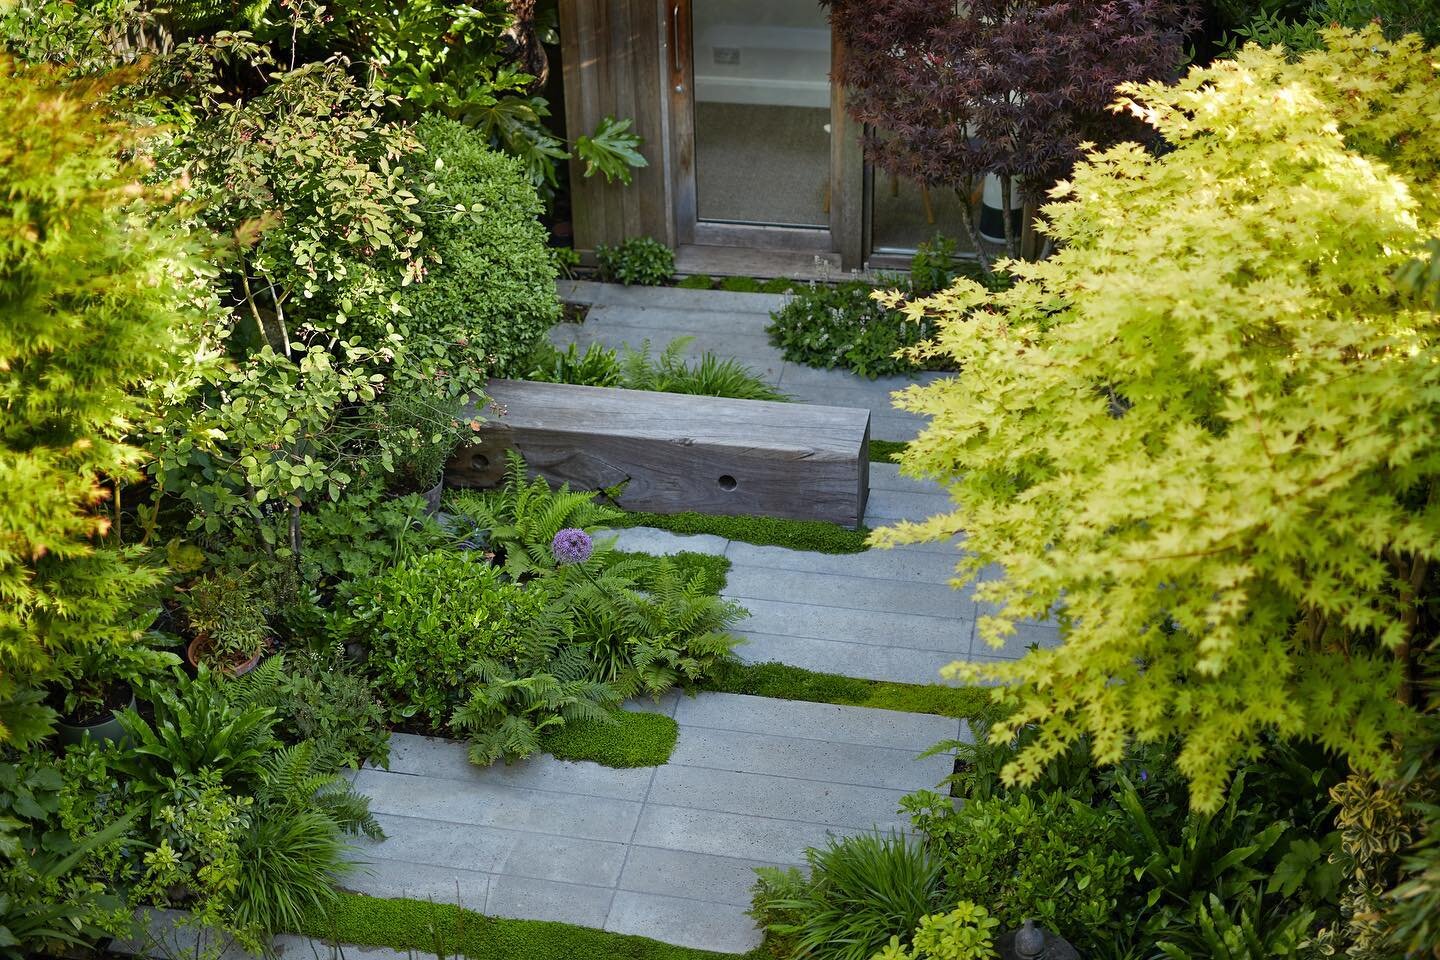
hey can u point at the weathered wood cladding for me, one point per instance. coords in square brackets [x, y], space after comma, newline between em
[671, 452]
[613, 53]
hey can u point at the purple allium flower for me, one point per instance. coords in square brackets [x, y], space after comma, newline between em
[571, 546]
[1144, 775]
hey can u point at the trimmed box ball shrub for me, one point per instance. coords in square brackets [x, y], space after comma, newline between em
[493, 289]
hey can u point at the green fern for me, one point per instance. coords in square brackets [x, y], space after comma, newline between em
[523, 516]
[511, 708]
[644, 626]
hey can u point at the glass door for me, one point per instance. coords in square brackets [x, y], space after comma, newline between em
[752, 101]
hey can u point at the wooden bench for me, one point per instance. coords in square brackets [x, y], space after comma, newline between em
[673, 452]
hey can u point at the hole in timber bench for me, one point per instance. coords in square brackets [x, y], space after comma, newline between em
[480, 462]
[727, 482]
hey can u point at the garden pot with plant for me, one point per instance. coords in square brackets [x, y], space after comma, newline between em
[92, 688]
[227, 620]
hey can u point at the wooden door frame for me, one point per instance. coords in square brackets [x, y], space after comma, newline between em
[845, 232]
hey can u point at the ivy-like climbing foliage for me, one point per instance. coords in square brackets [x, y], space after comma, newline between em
[1204, 435]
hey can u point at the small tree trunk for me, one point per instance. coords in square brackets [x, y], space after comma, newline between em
[1012, 245]
[295, 531]
[1029, 236]
[972, 228]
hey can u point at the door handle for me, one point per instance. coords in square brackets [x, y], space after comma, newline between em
[675, 39]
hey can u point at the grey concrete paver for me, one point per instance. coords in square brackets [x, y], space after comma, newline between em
[816, 721]
[525, 898]
[676, 864]
[693, 876]
[842, 592]
[689, 923]
[865, 660]
[897, 631]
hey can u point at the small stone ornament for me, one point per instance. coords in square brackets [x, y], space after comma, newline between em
[1035, 943]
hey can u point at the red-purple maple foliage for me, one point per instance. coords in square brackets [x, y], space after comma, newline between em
[949, 91]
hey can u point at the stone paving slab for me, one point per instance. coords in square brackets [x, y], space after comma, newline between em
[881, 628]
[864, 660]
[843, 592]
[817, 721]
[676, 864]
[693, 876]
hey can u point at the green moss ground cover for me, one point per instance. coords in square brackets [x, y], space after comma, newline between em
[813, 535]
[449, 930]
[885, 451]
[635, 739]
[785, 682]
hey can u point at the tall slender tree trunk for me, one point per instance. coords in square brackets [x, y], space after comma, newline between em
[1012, 245]
[967, 215]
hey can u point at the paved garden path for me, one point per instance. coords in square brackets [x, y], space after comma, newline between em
[730, 325]
[668, 852]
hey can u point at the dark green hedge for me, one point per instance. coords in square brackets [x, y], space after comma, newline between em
[494, 289]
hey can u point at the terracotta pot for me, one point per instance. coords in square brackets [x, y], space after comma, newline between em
[238, 668]
[105, 730]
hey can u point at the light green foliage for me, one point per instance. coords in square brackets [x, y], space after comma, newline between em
[962, 934]
[860, 892]
[489, 293]
[599, 366]
[639, 260]
[1299, 24]
[521, 518]
[1206, 441]
[514, 703]
[94, 291]
[431, 621]
[627, 739]
[1046, 857]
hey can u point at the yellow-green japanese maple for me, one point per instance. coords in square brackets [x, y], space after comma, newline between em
[1206, 434]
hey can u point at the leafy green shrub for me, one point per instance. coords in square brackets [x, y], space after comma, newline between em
[1045, 857]
[844, 326]
[962, 934]
[861, 891]
[933, 265]
[1185, 615]
[599, 366]
[366, 531]
[48, 900]
[492, 291]
[522, 517]
[639, 260]
[320, 699]
[247, 833]
[429, 621]
[741, 284]
[225, 612]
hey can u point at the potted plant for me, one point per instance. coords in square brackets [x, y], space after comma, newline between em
[426, 425]
[227, 619]
[92, 688]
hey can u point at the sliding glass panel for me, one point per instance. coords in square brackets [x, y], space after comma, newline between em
[762, 112]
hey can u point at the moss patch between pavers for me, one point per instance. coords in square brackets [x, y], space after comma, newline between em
[447, 930]
[784, 682]
[634, 739]
[813, 535]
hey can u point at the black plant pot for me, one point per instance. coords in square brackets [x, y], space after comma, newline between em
[105, 730]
